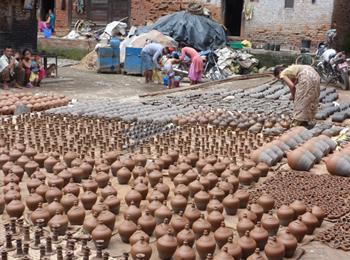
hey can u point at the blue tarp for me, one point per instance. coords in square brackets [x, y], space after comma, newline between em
[197, 30]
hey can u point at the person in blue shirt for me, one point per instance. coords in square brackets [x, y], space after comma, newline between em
[35, 68]
[49, 23]
[149, 55]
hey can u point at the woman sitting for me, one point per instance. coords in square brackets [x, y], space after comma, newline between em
[49, 23]
[27, 62]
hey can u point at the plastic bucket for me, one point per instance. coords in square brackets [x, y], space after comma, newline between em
[177, 82]
[47, 32]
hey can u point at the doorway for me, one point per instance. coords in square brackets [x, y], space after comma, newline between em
[233, 16]
[46, 5]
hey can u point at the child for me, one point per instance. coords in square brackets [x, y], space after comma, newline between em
[35, 68]
[168, 70]
[157, 73]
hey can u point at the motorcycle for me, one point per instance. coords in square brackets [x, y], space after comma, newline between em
[210, 67]
[333, 66]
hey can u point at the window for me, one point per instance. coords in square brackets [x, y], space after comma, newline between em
[288, 3]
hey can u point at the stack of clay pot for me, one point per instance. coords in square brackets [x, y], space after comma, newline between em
[9, 101]
[339, 162]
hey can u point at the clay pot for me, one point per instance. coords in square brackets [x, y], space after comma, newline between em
[99, 206]
[107, 217]
[215, 218]
[134, 196]
[87, 169]
[69, 157]
[200, 164]
[141, 247]
[49, 163]
[310, 221]
[126, 229]
[183, 190]
[213, 179]
[68, 200]
[178, 203]
[185, 235]
[147, 223]
[290, 243]
[201, 199]
[256, 173]
[88, 198]
[72, 187]
[231, 204]
[267, 202]
[113, 204]
[260, 235]
[138, 171]
[40, 213]
[274, 249]
[179, 222]
[42, 189]
[247, 244]
[319, 213]
[285, 215]
[257, 209]
[33, 200]
[123, 175]
[298, 229]
[2, 205]
[90, 223]
[205, 245]
[102, 232]
[78, 174]
[219, 167]
[243, 225]
[142, 188]
[156, 194]
[223, 255]
[7, 166]
[222, 235]
[250, 214]
[137, 236]
[162, 212]
[180, 178]
[298, 207]
[163, 228]
[116, 166]
[141, 176]
[166, 159]
[66, 176]
[256, 255]
[76, 215]
[53, 193]
[16, 169]
[54, 206]
[245, 178]
[184, 252]
[154, 177]
[193, 157]
[163, 188]
[129, 163]
[140, 159]
[11, 194]
[15, 154]
[76, 162]
[195, 187]
[108, 190]
[58, 167]
[207, 169]
[11, 185]
[173, 154]
[199, 226]
[264, 168]
[192, 214]
[57, 180]
[271, 224]
[215, 203]
[39, 175]
[233, 249]
[11, 177]
[62, 220]
[243, 197]
[91, 184]
[155, 204]
[301, 159]
[166, 246]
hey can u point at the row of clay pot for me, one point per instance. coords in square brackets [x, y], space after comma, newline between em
[339, 162]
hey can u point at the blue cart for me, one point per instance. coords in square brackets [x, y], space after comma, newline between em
[133, 63]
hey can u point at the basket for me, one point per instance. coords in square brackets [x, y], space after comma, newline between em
[236, 45]
[47, 32]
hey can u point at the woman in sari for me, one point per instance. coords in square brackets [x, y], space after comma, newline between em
[49, 23]
[304, 84]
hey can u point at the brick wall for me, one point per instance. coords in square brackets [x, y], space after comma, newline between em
[23, 27]
[151, 10]
[61, 21]
[341, 22]
[273, 23]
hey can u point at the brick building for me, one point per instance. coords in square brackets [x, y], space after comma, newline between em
[18, 26]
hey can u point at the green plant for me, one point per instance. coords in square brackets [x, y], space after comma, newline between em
[73, 54]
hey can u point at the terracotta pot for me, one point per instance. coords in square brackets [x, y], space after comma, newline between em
[49, 163]
[108, 218]
[319, 213]
[76, 215]
[116, 166]
[290, 243]
[54, 206]
[33, 200]
[113, 204]
[73, 187]
[90, 223]
[57, 180]
[298, 208]
[200, 164]
[215, 218]
[205, 245]
[222, 235]
[310, 221]
[274, 249]
[16, 169]
[52, 193]
[66, 176]
[163, 188]
[91, 184]
[250, 214]
[247, 244]
[219, 167]
[185, 235]
[88, 198]
[180, 178]
[109, 189]
[102, 232]
[137, 236]
[163, 228]
[140, 159]
[134, 196]
[40, 213]
[123, 175]
[199, 226]
[129, 163]
[154, 177]
[163, 212]
[201, 199]
[298, 229]
[183, 190]
[147, 223]
[11, 194]
[78, 174]
[155, 204]
[264, 168]
[69, 157]
[142, 188]
[87, 169]
[256, 255]
[260, 235]
[243, 225]
[245, 178]
[233, 249]
[271, 224]
[285, 215]
[243, 197]
[231, 204]
[99, 206]
[178, 203]
[191, 175]
[141, 247]
[62, 220]
[126, 229]
[257, 209]
[215, 203]
[192, 214]
[184, 252]
[267, 202]
[166, 246]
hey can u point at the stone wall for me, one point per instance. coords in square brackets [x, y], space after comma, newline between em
[341, 22]
[18, 28]
[273, 23]
[143, 11]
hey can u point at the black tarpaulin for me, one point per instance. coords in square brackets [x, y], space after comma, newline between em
[197, 30]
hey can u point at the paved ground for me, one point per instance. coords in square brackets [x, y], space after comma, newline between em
[319, 251]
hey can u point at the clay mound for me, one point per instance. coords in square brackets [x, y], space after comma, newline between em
[153, 35]
[89, 62]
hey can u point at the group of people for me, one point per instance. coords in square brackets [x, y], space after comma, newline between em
[27, 69]
[152, 53]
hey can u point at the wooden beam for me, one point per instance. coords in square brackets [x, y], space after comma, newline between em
[208, 84]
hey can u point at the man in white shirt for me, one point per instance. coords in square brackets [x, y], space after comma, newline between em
[11, 68]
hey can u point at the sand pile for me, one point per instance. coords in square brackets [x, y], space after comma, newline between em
[89, 62]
